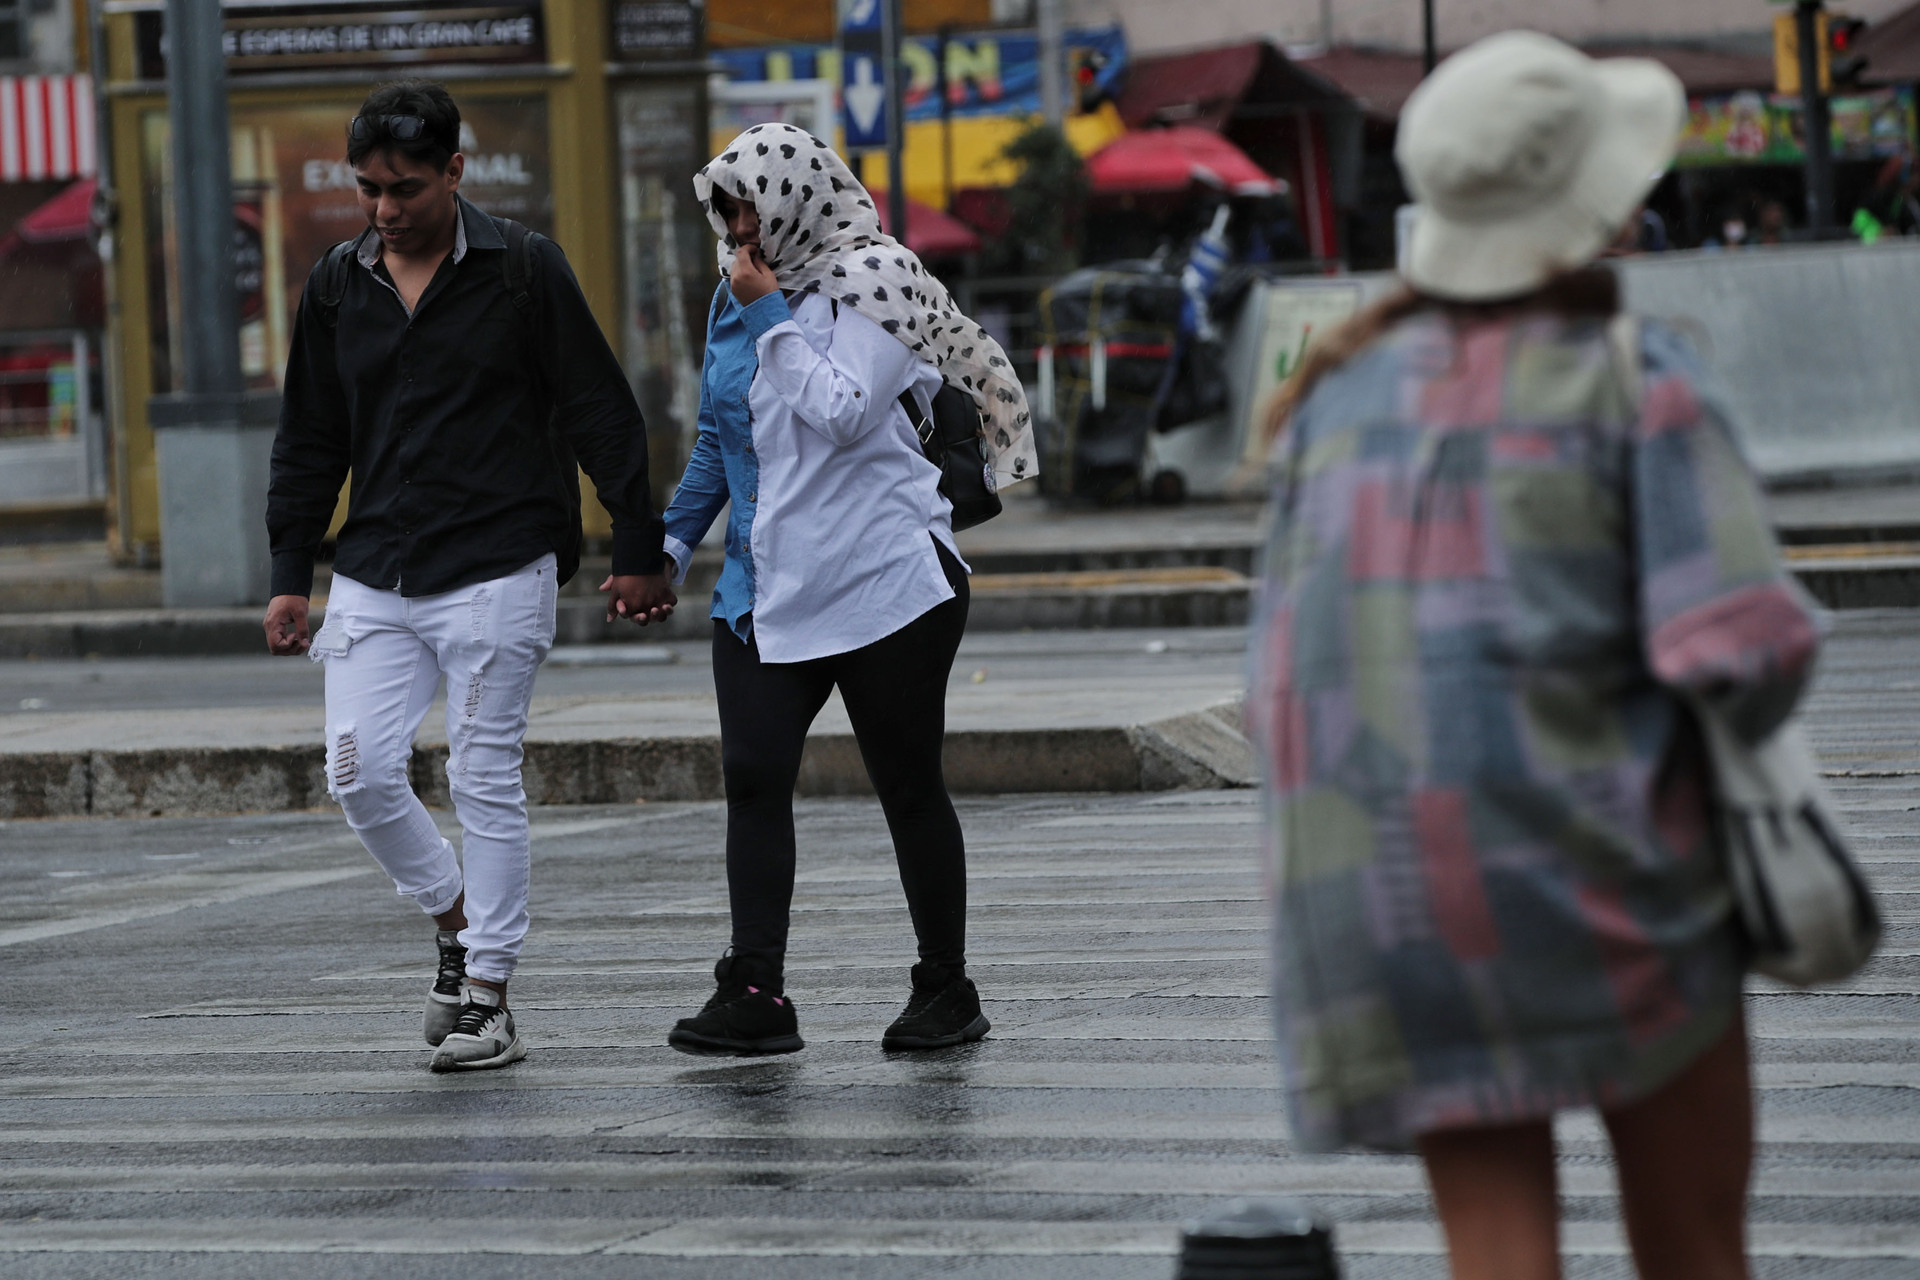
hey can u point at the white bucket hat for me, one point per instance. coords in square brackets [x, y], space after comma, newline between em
[1525, 158]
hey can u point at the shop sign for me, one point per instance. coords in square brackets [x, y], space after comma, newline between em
[988, 73]
[1761, 128]
[1287, 316]
[295, 38]
[655, 30]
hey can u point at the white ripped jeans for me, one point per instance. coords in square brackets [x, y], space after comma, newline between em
[385, 654]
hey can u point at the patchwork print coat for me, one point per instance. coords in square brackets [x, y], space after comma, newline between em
[1496, 892]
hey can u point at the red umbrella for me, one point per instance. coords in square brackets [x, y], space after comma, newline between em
[1168, 160]
[931, 233]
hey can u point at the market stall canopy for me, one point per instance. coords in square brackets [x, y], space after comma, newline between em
[1891, 47]
[68, 216]
[65, 218]
[46, 128]
[1290, 123]
[1166, 160]
[931, 233]
[1206, 87]
[1382, 82]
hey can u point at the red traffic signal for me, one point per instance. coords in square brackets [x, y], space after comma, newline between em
[1088, 64]
[1843, 48]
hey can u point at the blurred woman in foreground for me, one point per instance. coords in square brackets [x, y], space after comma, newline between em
[1510, 531]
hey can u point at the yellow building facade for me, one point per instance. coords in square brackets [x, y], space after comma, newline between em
[583, 119]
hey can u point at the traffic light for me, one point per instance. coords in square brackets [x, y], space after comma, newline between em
[1841, 60]
[1845, 62]
[1088, 66]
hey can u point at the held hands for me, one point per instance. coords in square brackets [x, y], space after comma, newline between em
[286, 624]
[752, 278]
[639, 598]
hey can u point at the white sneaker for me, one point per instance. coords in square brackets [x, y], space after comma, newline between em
[482, 1035]
[448, 992]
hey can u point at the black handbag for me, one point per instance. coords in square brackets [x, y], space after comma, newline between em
[951, 441]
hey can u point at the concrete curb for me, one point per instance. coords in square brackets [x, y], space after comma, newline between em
[1203, 749]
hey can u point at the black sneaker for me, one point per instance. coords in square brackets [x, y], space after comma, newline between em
[448, 992]
[943, 1010]
[742, 1018]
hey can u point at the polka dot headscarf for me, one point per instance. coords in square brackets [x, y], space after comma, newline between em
[820, 233]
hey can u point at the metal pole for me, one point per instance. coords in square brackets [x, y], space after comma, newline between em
[1053, 103]
[105, 215]
[211, 439]
[1429, 44]
[203, 198]
[1819, 125]
[896, 120]
[946, 118]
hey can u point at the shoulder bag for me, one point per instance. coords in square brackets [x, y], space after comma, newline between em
[951, 440]
[1803, 904]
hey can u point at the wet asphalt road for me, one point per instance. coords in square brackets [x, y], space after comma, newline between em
[211, 1065]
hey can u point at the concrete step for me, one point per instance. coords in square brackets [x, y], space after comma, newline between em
[1179, 596]
[1841, 576]
[1859, 575]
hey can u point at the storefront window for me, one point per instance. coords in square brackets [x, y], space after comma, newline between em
[667, 252]
[52, 445]
[294, 197]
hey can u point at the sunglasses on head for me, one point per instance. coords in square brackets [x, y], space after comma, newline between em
[399, 128]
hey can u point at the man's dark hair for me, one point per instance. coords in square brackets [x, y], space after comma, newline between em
[423, 98]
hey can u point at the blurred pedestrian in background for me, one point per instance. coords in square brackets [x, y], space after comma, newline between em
[827, 339]
[1500, 557]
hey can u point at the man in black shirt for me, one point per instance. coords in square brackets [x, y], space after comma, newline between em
[448, 361]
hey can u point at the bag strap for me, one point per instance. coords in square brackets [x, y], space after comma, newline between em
[516, 265]
[333, 280]
[922, 423]
[1623, 340]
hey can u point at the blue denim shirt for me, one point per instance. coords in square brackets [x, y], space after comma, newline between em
[723, 469]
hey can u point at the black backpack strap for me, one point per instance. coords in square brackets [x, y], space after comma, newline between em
[516, 265]
[334, 273]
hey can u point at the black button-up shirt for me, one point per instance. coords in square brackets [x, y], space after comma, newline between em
[456, 423]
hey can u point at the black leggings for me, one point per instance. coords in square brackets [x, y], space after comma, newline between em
[895, 691]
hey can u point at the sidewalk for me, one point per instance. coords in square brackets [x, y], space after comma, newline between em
[1036, 568]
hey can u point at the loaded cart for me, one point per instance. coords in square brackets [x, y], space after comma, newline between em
[1132, 402]
[1127, 350]
[1116, 366]
[1106, 335]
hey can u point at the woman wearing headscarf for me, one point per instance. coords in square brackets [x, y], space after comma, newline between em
[840, 567]
[1513, 534]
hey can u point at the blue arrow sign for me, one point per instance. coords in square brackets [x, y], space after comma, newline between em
[863, 103]
[863, 77]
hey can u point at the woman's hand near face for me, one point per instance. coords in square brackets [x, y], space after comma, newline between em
[753, 279]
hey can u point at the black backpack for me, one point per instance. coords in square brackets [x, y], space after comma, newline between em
[516, 274]
[952, 442]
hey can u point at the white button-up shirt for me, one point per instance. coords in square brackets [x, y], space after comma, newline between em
[847, 506]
